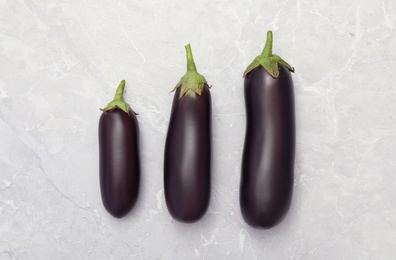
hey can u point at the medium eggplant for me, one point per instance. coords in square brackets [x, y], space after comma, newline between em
[187, 162]
[119, 156]
[268, 155]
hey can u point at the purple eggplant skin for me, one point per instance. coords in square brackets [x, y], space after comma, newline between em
[268, 155]
[188, 151]
[119, 160]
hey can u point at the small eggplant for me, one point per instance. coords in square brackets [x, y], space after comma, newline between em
[268, 156]
[187, 162]
[119, 160]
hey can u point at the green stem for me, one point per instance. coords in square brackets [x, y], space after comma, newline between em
[119, 95]
[192, 83]
[267, 51]
[118, 100]
[190, 59]
[268, 61]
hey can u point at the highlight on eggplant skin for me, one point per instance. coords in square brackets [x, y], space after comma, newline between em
[119, 159]
[267, 175]
[187, 160]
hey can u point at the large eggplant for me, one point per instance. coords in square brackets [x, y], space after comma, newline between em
[268, 156]
[187, 162]
[119, 156]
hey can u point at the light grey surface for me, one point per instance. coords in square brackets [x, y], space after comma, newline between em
[61, 62]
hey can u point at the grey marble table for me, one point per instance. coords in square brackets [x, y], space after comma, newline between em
[61, 61]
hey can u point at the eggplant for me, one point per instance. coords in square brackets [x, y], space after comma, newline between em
[187, 160]
[119, 159]
[267, 176]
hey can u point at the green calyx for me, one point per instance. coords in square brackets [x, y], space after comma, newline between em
[268, 61]
[192, 82]
[118, 100]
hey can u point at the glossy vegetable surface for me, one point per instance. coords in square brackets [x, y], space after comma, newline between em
[268, 155]
[119, 156]
[187, 163]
